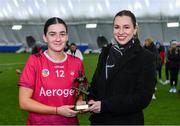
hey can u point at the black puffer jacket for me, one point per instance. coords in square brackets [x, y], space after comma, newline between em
[173, 56]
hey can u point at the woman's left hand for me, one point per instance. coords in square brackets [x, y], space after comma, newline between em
[95, 106]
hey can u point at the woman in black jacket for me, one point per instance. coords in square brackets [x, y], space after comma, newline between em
[124, 80]
[173, 56]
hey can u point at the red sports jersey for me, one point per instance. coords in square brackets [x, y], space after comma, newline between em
[51, 82]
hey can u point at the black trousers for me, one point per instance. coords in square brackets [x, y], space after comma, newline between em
[167, 71]
[159, 69]
[174, 76]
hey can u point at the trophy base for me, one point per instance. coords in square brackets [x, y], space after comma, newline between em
[81, 107]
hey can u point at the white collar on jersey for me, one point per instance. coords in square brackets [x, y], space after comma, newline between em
[54, 61]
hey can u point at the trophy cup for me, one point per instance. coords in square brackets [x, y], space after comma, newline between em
[80, 85]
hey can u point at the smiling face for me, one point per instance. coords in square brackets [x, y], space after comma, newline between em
[123, 30]
[56, 37]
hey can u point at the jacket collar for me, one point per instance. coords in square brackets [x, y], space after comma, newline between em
[130, 54]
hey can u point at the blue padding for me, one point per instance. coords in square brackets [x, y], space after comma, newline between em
[9, 48]
[82, 47]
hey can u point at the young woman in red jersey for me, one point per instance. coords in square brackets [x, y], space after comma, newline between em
[45, 85]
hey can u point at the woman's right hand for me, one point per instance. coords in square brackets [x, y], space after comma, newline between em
[67, 111]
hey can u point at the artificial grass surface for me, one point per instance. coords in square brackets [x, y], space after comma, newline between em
[165, 110]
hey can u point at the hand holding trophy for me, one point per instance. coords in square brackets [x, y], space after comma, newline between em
[80, 85]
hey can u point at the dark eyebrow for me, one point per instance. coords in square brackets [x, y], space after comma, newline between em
[51, 32]
[116, 25]
[123, 25]
[63, 32]
[126, 25]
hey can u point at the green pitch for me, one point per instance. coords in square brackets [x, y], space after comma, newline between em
[165, 110]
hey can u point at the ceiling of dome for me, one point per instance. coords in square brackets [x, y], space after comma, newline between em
[37, 11]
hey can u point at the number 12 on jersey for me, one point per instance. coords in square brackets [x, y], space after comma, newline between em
[60, 73]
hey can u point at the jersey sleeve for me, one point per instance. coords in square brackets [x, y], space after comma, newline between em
[82, 67]
[28, 76]
[83, 72]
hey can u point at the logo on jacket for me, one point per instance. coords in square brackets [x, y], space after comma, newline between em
[45, 72]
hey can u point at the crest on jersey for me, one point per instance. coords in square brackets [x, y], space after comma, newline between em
[45, 72]
[72, 73]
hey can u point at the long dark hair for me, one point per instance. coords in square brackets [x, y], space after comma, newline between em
[54, 20]
[133, 18]
[129, 14]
